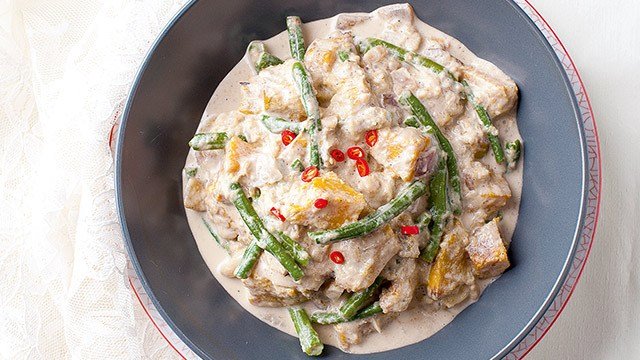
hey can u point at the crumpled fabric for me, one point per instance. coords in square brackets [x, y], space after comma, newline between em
[65, 71]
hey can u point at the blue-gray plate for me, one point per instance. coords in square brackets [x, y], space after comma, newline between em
[194, 53]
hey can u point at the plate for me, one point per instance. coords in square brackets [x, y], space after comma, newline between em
[193, 55]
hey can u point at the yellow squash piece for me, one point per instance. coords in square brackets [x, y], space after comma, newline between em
[344, 203]
[451, 270]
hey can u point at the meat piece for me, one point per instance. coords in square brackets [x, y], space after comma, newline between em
[398, 149]
[368, 119]
[344, 203]
[352, 332]
[364, 258]
[248, 161]
[273, 90]
[262, 292]
[487, 251]
[194, 195]
[450, 274]
[399, 29]
[402, 273]
[378, 188]
[496, 95]
[484, 191]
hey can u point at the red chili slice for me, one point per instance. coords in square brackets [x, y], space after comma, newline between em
[277, 214]
[336, 257]
[371, 137]
[321, 203]
[355, 153]
[363, 167]
[309, 173]
[337, 155]
[287, 137]
[410, 230]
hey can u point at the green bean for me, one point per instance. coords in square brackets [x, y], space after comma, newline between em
[419, 111]
[249, 258]
[264, 239]
[326, 318]
[343, 55]
[424, 220]
[373, 221]
[297, 165]
[438, 201]
[277, 125]
[360, 299]
[296, 39]
[208, 141]
[492, 132]
[295, 249]
[412, 121]
[513, 152]
[404, 55]
[309, 339]
[191, 171]
[311, 107]
[265, 60]
[224, 245]
[369, 311]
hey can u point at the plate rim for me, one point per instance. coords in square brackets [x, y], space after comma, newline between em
[514, 348]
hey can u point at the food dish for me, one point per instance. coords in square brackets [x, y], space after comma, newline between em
[159, 120]
[406, 227]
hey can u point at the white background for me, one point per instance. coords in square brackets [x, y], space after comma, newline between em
[65, 65]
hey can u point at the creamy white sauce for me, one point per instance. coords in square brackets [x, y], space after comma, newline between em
[415, 324]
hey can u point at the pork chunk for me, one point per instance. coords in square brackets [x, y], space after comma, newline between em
[398, 149]
[487, 251]
[402, 272]
[496, 95]
[365, 257]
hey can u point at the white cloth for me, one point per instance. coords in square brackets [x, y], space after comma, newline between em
[65, 68]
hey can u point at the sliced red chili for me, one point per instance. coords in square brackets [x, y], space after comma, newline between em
[336, 257]
[363, 167]
[355, 153]
[321, 203]
[410, 230]
[287, 137]
[337, 155]
[371, 137]
[275, 212]
[309, 173]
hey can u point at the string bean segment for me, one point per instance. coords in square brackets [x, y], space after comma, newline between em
[360, 299]
[373, 221]
[309, 339]
[277, 125]
[311, 107]
[491, 131]
[295, 249]
[438, 201]
[512, 153]
[263, 238]
[336, 318]
[296, 39]
[266, 59]
[209, 141]
[420, 112]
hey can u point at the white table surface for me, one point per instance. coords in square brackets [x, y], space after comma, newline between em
[602, 319]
